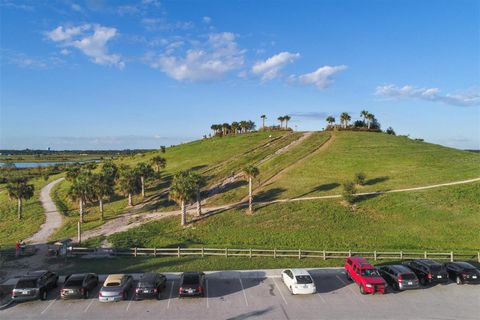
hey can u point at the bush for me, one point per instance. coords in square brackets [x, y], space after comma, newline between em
[349, 190]
[390, 131]
[359, 178]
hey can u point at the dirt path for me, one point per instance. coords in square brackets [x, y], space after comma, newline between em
[53, 219]
[128, 221]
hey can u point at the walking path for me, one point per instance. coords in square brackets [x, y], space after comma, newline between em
[128, 220]
[53, 219]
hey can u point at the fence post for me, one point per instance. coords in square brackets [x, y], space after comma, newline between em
[324, 255]
[79, 231]
[478, 255]
[250, 255]
[451, 256]
[401, 255]
[178, 252]
[425, 254]
[299, 254]
[375, 255]
[274, 253]
[349, 253]
[155, 251]
[135, 251]
[226, 252]
[203, 252]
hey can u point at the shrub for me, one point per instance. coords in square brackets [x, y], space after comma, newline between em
[349, 190]
[359, 178]
[390, 131]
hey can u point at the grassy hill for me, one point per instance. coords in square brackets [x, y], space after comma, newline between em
[310, 164]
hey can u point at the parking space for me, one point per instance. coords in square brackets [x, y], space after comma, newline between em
[262, 295]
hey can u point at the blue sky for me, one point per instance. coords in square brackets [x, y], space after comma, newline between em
[139, 74]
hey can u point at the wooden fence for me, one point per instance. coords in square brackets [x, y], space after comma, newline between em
[278, 253]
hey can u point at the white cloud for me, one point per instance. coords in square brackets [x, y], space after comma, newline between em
[270, 68]
[207, 20]
[76, 7]
[321, 78]
[210, 60]
[92, 40]
[469, 97]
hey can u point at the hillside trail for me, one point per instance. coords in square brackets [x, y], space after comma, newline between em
[126, 222]
[324, 146]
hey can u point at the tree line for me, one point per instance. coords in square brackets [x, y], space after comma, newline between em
[235, 127]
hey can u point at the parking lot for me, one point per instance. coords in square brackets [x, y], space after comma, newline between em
[262, 295]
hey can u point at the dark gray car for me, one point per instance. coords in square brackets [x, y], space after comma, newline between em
[34, 285]
[115, 288]
[399, 277]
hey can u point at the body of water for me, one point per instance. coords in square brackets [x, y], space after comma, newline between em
[39, 164]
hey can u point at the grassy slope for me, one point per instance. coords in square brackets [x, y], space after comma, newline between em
[437, 219]
[389, 163]
[12, 229]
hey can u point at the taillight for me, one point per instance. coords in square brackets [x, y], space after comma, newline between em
[137, 290]
[100, 294]
[155, 290]
[13, 293]
[400, 279]
[200, 289]
[81, 290]
[180, 290]
[429, 276]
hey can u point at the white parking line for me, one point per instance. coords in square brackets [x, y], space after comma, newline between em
[88, 307]
[281, 294]
[321, 298]
[206, 291]
[170, 297]
[49, 305]
[130, 302]
[243, 290]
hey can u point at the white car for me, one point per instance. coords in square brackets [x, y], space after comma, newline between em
[298, 281]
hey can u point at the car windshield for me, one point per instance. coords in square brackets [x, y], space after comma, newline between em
[74, 282]
[30, 283]
[112, 284]
[436, 268]
[145, 284]
[304, 279]
[370, 273]
[191, 279]
[408, 276]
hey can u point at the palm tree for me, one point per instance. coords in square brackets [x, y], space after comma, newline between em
[235, 125]
[72, 173]
[144, 171]
[345, 117]
[330, 120]
[183, 190]
[102, 186]
[19, 189]
[159, 163]
[81, 190]
[364, 115]
[214, 128]
[370, 118]
[110, 171]
[129, 182]
[250, 125]
[286, 119]
[281, 119]
[250, 172]
[199, 182]
[263, 120]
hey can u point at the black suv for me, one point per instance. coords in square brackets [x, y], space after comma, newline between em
[34, 285]
[428, 271]
[79, 285]
[192, 284]
[399, 277]
[150, 285]
[462, 272]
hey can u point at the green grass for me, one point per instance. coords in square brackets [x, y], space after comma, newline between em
[174, 264]
[12, 229]
[439, 219]
[389, 162]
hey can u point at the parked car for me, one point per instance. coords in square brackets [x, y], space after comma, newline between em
[192, 284]
[365, 275]
[79, 286]
[298, 281]
[462, 272]
[428, 271]
[34, 285]
[150, 285]
[400, 277]
[115, 288]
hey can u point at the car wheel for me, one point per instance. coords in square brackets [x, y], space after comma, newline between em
[396, 287]
[125, 295]
[290, 289]
[87, 294]
[348, 277]
[458, 280]
[423, 282]
[159, 295]
[43, 295]
[362, 290]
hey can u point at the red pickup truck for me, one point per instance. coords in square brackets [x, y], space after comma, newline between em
[365, 275]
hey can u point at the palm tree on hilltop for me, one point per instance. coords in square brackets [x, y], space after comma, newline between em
[263, 120]
[345, 118]
[286, 119]
[330, 120]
